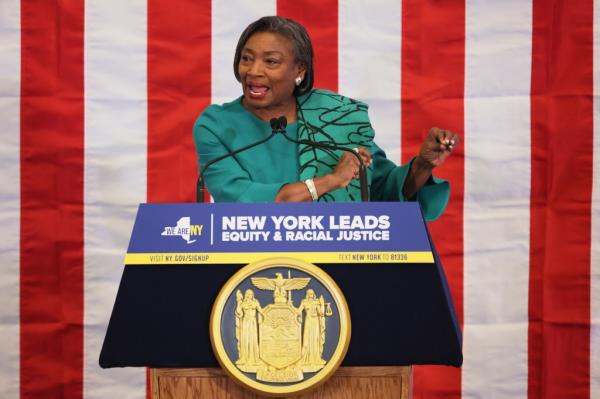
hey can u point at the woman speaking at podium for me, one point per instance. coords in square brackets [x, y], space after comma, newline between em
[274, 64]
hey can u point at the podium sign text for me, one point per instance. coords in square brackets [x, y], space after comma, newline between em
[331, 233]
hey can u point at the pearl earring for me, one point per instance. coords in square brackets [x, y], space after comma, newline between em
[298, 81]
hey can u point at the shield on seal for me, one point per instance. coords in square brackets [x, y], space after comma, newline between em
[280, 335]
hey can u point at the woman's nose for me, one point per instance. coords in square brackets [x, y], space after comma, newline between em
[255, 69]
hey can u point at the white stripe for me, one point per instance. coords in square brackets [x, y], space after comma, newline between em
[595, 244]
[115, 173]
[369, 65]
[229, 19]
[10, 89]
[497, 196]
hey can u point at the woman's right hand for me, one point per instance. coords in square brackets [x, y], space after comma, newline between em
[348, 167]
[345, 171]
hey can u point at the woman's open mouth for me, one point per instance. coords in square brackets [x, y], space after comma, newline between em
[257, 92]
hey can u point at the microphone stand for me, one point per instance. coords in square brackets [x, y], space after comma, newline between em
[278, 125]
[200, 181]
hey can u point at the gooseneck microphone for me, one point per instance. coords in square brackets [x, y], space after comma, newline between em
[279, 125]
[200, 181]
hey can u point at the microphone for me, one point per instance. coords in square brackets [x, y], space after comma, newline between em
[279, 125]
[200, 182]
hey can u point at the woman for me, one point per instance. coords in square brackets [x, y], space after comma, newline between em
[274, 63]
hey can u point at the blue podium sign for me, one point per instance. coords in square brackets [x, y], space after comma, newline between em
[379, 254]
[228, 233]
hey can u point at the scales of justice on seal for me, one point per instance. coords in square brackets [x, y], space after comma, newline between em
[274, 313]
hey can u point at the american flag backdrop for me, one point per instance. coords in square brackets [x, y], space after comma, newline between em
[97, 102]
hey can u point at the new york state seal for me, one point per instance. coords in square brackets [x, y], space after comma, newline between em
[280, 326]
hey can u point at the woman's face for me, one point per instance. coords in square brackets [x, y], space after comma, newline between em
[268, 70]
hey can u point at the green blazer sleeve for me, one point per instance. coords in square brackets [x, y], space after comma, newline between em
[388, 180]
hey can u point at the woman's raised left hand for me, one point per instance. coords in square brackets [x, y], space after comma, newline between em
[438, 145]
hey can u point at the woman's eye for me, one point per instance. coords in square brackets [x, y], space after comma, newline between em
[271, 61]
[245, 58]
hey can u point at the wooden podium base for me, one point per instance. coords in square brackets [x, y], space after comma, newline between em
[347, 382]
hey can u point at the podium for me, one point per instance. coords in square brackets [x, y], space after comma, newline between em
[180, 255]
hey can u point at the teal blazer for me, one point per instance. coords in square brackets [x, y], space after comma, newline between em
[256, 175]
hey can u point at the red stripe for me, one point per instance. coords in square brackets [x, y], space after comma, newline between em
[179, 88]
[561, 189]
[433, 51]
[51, 247]
[320, 18]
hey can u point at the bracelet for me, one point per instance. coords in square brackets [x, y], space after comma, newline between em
[310, 184]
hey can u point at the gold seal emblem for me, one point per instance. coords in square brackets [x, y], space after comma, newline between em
[271, 342]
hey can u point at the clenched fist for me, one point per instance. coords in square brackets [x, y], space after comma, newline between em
[438, 145]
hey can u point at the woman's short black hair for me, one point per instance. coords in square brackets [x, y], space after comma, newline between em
[291, 30]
